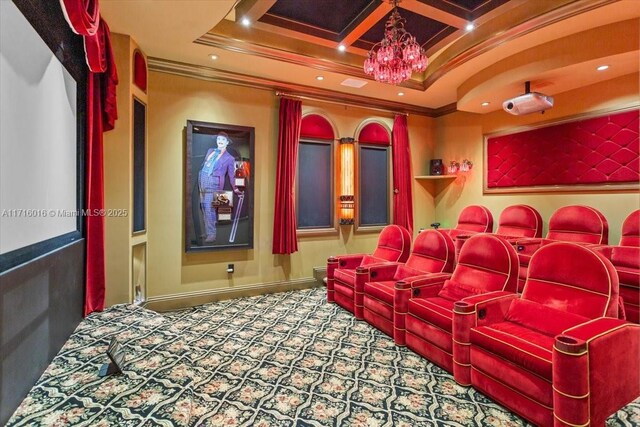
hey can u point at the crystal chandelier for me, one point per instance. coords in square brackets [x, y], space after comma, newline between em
[398, 55]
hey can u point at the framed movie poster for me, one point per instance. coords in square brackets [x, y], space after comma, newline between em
[219, 186]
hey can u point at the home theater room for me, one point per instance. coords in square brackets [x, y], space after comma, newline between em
[320, 213]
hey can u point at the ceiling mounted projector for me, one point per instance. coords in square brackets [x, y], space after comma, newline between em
[530, 102]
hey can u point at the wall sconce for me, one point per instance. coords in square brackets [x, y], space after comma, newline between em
[347, 199]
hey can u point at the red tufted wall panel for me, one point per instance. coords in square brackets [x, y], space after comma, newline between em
[598, 150]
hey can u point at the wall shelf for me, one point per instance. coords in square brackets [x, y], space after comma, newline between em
[435, 177]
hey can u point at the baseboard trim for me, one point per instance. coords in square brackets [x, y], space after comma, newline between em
[320, 274]
[191, 299]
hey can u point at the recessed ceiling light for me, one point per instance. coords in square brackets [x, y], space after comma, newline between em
[469, 26]
[400, 93]
[213, 56]
[342, 48]
[319, 78]
[246, 22]
[484, 104]
[602, 67]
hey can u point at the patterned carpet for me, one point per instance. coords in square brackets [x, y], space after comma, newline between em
[275, 360]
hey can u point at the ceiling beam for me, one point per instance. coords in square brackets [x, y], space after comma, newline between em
[253, 9]
[434, 13]
[366, 19]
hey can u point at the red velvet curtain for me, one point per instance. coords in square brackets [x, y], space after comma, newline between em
[402, 175]
[83, 17]
[95, 280]
[284, 218]
[101, 115]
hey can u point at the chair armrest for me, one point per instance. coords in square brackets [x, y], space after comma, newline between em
[595, 370]
[379, 272]
[426, 285]
[579, 337]
[486, 308]
[605, 250]
[347, 261]
[471, 312]
[527, 246]
[382, 271]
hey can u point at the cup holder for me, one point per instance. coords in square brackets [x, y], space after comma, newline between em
[570, 345]
[567, 340]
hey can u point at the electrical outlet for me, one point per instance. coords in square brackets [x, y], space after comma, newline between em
[230, 268]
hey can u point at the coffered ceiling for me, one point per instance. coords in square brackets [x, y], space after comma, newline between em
[288, 44]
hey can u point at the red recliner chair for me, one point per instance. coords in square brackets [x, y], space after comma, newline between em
[394, 244]
[432, 255]
[473, 219]
[519, 221]
[557, 354]
[486, 263]
[579, 224]
[631, 230]
[626, 261]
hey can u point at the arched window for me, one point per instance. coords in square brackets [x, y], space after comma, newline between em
[374, 174]
[315, 174]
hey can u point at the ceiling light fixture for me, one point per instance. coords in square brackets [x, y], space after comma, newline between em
[602, 67]
[213, 56]
[485, 104]
[400, 93]
[342, 48]
[246, 22]
[397, 55]
[470, 26]
[320, 78]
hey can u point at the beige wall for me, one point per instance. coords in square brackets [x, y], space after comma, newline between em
[172, 101]
[460, 135]
[118, 179]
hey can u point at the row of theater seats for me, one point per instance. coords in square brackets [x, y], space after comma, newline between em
[559, 353]
[521, 225]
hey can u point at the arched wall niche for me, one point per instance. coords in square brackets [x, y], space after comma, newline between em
[372, 131]
[316, 125]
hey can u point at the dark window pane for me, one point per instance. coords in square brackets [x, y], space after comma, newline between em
[139, 130]
[315, 207]
[374, 186]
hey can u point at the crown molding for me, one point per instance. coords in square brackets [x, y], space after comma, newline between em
[309, 92]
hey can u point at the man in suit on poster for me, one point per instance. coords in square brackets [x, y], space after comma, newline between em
[218, 164]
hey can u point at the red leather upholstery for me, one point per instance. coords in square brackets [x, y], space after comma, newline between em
[631, 230]
[551, 355]
[394, 244]
[579, 224]
[433, 252]
[626, 261]
[520, 221]
[486, 263]
[473, 219]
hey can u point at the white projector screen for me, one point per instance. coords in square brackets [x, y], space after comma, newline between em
[38, 144]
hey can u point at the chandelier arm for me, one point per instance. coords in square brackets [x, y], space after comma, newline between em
[398, 54]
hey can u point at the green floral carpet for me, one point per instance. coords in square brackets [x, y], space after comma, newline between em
[274, 360]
